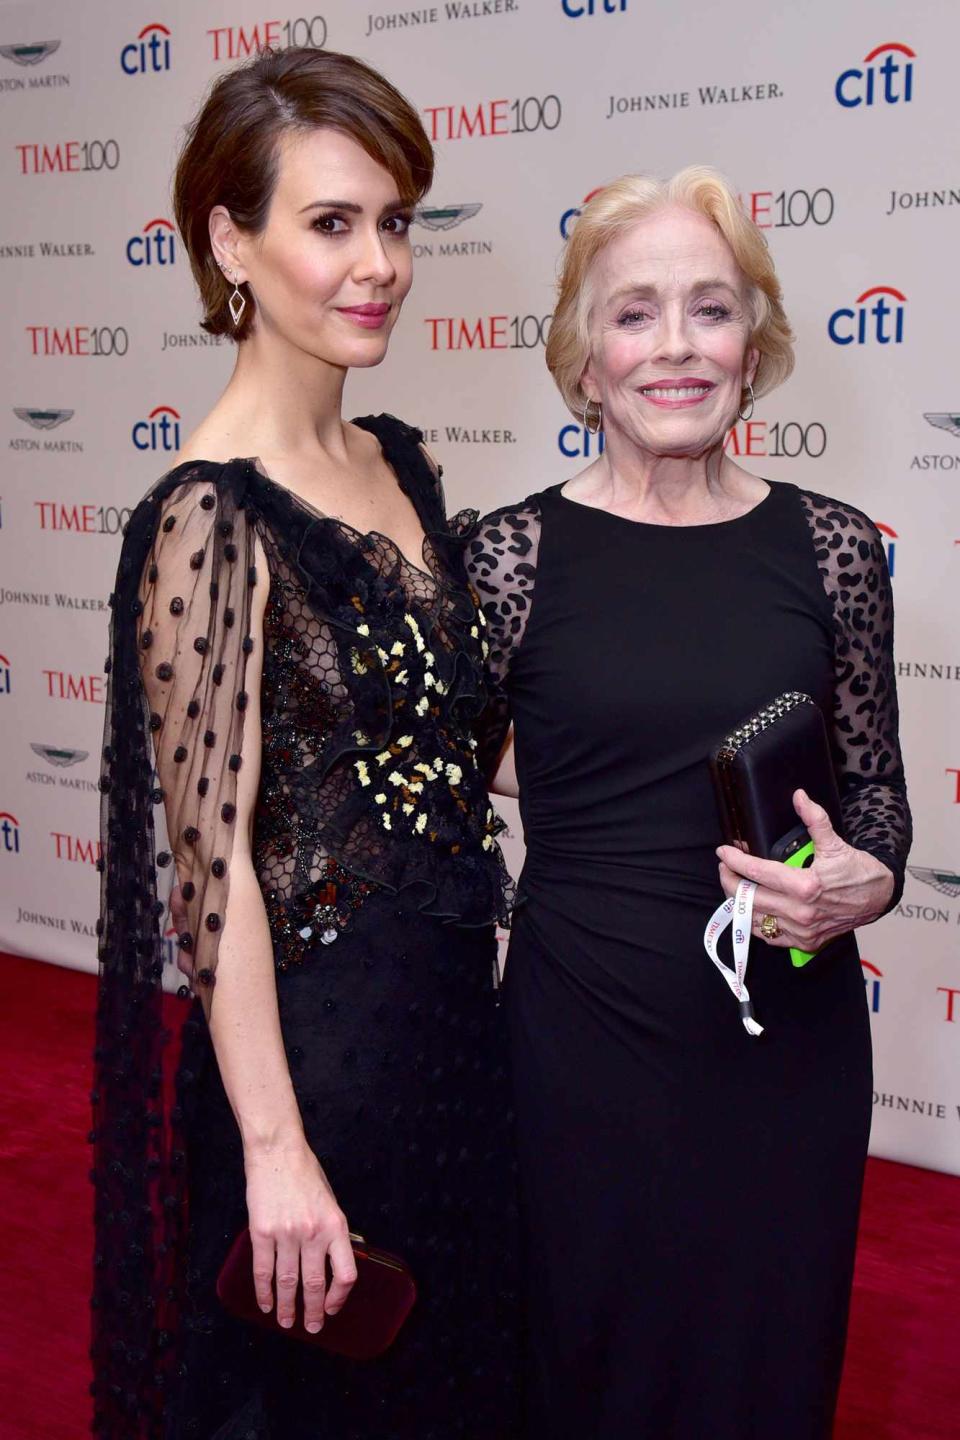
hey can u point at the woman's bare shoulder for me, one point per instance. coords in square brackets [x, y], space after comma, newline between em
[215, 440]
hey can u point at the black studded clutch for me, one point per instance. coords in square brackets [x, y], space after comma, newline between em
[757, 768]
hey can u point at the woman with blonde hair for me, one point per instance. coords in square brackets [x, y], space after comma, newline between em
[690, 1190]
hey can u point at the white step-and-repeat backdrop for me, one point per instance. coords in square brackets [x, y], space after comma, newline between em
[838, 125]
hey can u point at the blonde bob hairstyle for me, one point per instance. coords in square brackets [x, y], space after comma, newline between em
[613, 210]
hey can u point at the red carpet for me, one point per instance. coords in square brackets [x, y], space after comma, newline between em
[902, 1380]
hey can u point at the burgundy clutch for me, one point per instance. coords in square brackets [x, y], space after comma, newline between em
[368, 1324]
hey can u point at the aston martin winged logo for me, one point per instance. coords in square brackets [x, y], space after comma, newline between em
[43, 419]
[946, 881]
[56, 755]
[946, 421]
[444, 217]
[30, 54]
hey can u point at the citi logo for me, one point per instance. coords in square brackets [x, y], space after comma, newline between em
[31, 54]
[871, 979]
[155, 246]
[5, 680]
[886, 83]
[149, 54]
[577, 9]
[160, 430]
[72, 848]
[9, 833]
[890, 538]
[881, 321]
[569, 217]
[576, 442]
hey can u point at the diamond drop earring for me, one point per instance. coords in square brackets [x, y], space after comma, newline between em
[237, 303]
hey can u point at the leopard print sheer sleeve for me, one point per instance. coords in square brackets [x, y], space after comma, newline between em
[853, 567]
[502, 566]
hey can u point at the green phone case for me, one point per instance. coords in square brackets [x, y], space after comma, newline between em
[798, 860]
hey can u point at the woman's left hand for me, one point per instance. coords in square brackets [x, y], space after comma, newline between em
[843, 888]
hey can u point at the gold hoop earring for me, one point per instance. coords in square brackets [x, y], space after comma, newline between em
[752, 398]
[592, 429]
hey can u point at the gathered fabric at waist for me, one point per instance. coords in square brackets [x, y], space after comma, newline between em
[624, 944]
[578, 882]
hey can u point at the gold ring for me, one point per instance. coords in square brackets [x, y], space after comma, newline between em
[770, 927]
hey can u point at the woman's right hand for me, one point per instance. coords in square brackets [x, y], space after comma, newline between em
[295, 1224]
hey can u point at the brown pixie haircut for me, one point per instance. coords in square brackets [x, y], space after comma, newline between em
[230, 155]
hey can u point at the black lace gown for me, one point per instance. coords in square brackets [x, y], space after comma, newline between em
[374, 843]
[691, 1194]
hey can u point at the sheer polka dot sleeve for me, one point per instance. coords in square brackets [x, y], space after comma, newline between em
[193, 635]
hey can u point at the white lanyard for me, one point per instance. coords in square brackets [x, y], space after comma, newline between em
[738, 910]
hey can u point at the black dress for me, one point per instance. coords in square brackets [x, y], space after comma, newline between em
[690, 1194]
[374, 845]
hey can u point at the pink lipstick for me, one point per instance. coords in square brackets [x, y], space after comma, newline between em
[370, 317]
[677, 394]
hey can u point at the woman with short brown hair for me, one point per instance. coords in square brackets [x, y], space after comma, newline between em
[296, 666]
